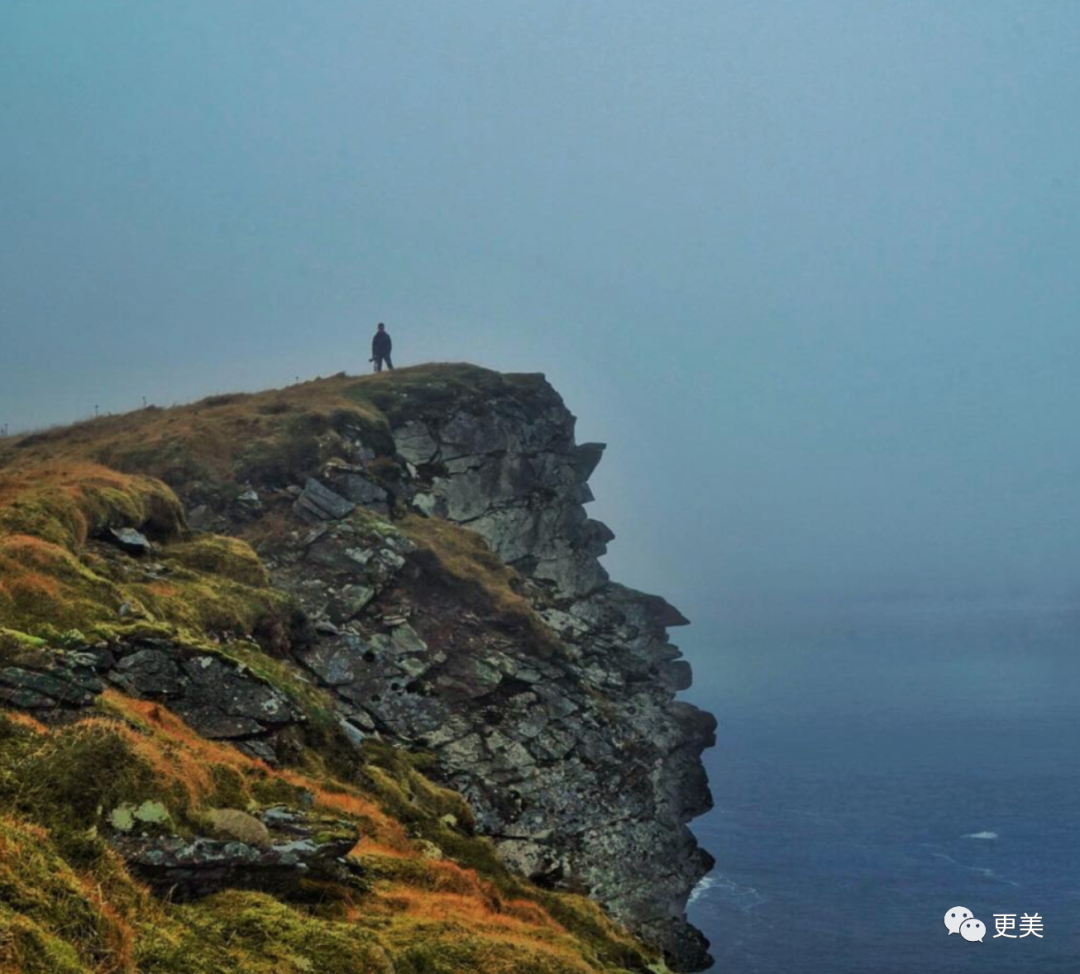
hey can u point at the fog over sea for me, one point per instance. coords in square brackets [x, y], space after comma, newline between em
[880, 763]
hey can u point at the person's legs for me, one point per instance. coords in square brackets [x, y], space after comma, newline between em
[389, 364]
[378, 363]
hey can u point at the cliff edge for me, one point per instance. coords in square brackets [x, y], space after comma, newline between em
[413, 548]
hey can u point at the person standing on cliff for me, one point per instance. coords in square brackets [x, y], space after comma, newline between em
[380, 348]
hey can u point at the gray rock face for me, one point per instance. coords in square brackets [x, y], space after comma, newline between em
[514, 474]
[579, 762]
[218, 697]
[359, 489]
[62, 681]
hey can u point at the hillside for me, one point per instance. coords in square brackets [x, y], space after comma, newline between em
[330, 678]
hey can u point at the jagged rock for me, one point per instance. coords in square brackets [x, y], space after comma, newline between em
[129, 540]
[149, 673]
[576, 757]
[274, 849]
[586, 770]
[587, 457]
[191, 868]
[426, 504]
[360, 490]
[318, 503]
[348, 602]
[200, 517]
[675, 674]
[217, 697]
[577, 766]
[415, 443]
[44, 682]
[354, 734]
[337, 662]
[221, 701]
[261, 750]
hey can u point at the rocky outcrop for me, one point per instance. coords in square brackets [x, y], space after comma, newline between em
[217, 696]
[513, 473]
[573, 750]
[298, 847]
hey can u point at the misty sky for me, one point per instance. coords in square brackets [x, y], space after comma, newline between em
[812, 269]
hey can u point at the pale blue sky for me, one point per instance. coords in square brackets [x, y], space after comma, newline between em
[811, 268]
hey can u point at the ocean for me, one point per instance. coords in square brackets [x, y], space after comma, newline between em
[879, 765]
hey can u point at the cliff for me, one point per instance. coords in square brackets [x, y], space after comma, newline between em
[382, 591]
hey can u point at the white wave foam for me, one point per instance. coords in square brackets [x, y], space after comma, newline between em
[981, 870]
[744, 897]
[981, 835]
[701, 889]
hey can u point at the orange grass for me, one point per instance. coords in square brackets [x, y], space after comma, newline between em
[25, 720]
[120, 937]
[389, 830]
[181, 754]
[435, 890]
[462, 908]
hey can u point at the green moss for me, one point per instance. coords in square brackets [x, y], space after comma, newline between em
[430, 949]
[255, 933]
[65, 505]
[46, 917]
[27, 948]
[52, 580]
[281, 461]
[172, 460]
[395, 776]
[461, 562]
[12, 639]
[227, 558]
[77, 773]
[206, 604]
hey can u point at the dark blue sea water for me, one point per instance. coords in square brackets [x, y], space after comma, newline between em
[881, 764]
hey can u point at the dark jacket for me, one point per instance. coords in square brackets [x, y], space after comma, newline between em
[381, 344]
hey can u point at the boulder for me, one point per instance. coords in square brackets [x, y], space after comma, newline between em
[319, 503]
[185, 869]
[129, 541]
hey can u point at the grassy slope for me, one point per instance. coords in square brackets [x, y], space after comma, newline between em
[437, 898]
